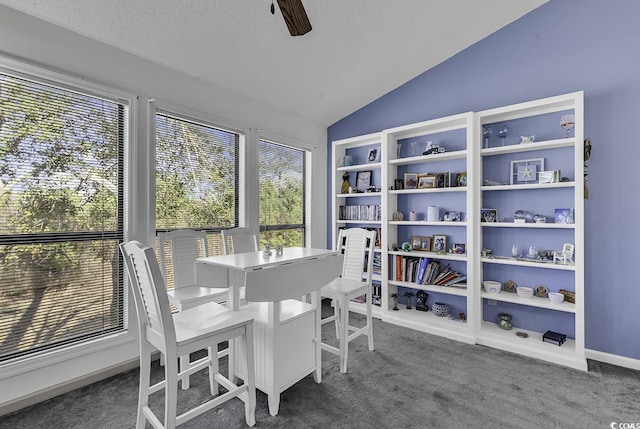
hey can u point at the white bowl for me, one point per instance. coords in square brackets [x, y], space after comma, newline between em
[524, 292]
[556, 297]
[492, 287]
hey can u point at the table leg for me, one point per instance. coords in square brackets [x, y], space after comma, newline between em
[316, 302]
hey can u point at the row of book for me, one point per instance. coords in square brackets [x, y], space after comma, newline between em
[425, 271]
[360, 212]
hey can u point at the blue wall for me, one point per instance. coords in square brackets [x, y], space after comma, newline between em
[561, 47]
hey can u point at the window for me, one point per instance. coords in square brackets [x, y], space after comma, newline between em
[282, 195]
[61, 196]
[196, 176]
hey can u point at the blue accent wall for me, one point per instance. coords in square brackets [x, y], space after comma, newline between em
[563, 46]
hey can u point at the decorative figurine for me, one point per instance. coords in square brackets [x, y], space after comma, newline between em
[267, 250]
[345, 183]
[409, 295]
[504, 321]
[565, 256]
[421, 300]
[279, 249]
[395, 301]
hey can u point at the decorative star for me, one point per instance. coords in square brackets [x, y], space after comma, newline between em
[526, 172]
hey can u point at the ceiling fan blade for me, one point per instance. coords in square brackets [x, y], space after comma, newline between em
[295, 16]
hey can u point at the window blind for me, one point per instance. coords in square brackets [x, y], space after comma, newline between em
[196, 176]
[61, 191]
[282, 194]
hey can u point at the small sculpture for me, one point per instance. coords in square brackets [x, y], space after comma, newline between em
[409, 295]
[565, 256]
[433, 147]
[527, 139]
[421, 301]
[345, 183]
[395, 302]
[267, 250]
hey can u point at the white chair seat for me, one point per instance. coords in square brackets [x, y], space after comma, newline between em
[196, 323]
[343, 287]
[189, 296]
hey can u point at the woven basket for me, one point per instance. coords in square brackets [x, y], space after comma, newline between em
[568, 295]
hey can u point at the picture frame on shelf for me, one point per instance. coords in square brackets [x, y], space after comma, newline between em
[410, 180]
[552, 176]
[460, 179]
[427, 181]
[425, 243]
[363, 180]
[452, 216]
[488, 215]
[416, 242]
[565, 216]
[459, 248]
[525, 171]
[373, 155]
[439, 243]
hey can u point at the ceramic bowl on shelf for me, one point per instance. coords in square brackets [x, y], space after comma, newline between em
[491, 286]
[524, 292]
[556, 297]
[440, 309]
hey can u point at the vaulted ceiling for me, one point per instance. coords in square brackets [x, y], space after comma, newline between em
[357, 51]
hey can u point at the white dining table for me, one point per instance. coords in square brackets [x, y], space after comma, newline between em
[286, 330]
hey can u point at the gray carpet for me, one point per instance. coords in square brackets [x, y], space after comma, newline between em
[411, 380]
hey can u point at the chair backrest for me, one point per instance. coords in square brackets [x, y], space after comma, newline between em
[149, 292]
[357, 245]
[242, 240]
[179, 250]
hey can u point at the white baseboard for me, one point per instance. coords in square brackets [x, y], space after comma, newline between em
[613, 359]
[52, 392]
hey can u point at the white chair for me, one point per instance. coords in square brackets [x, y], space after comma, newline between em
[179, 250]
[241, 239]
[196, 328]
[358, 245]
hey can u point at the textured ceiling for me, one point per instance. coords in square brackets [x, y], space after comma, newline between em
[357, 51]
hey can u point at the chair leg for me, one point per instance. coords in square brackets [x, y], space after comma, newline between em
[213, 370]
[185, 361]
[336, 315]
[143, 388]
[170, 392]
[250, 404]
[370, 323]
[344, 335]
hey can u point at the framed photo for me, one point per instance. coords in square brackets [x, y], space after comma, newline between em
[459, 248]
[526, 171]
[488, 215]
[373, 155]
[452, 216]
[428, 181]
[416, 242]
[564, 216]
[549, 176]
[410, 180]
[425, 244]
[363, 180]
[398, 184]
[461, 179]
[439, 243]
